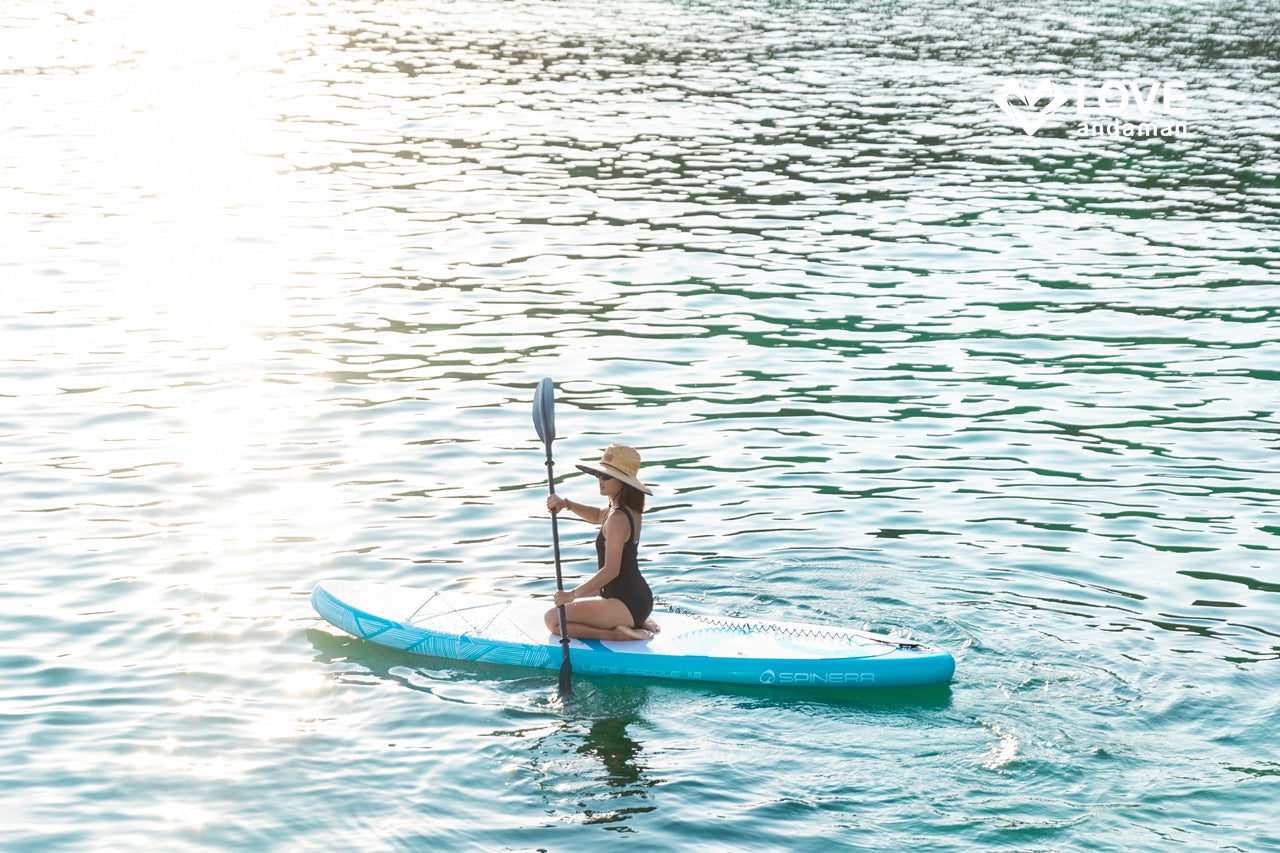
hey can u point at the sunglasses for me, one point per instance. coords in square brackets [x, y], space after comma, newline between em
[604, 477]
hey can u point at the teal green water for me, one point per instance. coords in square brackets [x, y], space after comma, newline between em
[279, 279]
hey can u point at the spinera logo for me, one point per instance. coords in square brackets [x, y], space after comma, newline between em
[1101, 109]
[768, 677]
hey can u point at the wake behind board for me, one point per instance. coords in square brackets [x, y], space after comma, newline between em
[463, 626]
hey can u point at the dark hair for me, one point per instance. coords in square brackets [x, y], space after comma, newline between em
[631, 498]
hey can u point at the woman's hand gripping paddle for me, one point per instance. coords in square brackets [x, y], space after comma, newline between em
[544, 421]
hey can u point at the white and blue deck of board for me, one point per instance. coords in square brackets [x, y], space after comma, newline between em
[462, 626]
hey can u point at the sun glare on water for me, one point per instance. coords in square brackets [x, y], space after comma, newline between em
[173, 273]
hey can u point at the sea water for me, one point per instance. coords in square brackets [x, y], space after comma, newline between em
[905, 345]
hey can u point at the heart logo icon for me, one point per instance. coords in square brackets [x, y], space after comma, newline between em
[1024, 107]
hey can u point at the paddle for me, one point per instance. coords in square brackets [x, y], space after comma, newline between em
[544, 421]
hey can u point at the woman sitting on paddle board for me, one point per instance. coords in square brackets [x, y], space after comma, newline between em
[615, 603]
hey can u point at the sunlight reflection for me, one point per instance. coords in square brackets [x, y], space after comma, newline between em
[179, 135]
[190, 817]
[272, 728]
[1002, 753]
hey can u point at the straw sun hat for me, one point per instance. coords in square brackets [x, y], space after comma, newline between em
[621, 463]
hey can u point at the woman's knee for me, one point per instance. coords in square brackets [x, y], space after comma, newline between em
[552, 620]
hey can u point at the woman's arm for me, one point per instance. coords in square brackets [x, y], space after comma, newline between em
[592, 514]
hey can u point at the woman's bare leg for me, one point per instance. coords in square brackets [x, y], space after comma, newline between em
[596, 619]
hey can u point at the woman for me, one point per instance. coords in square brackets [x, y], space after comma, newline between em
[615, 603]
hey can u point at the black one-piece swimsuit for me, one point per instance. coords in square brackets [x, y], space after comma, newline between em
[629, 586]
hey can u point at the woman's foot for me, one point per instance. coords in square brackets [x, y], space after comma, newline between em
[651, 626]
[626, 632]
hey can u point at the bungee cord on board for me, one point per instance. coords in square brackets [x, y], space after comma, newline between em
[814, 633]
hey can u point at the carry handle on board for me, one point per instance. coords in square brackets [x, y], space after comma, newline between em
[544, 421]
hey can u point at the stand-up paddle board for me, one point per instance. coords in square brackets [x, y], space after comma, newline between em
[463, 626]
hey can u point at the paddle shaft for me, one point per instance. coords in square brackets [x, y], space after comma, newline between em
[555, 548]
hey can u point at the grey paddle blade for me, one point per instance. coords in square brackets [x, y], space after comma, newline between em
[544, 412]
